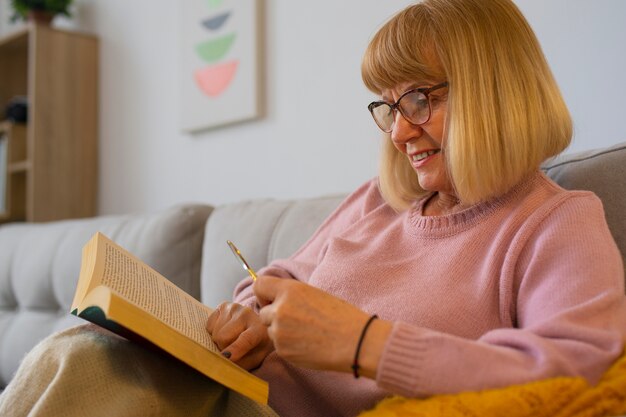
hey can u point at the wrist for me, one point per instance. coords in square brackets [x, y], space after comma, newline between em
[372, 347]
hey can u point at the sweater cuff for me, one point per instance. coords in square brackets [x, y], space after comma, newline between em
[401, 366]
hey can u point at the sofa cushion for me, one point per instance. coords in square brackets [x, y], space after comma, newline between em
[602, 171]
[263, 230]
[40, 263]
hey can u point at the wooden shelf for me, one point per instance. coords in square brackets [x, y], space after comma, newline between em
[52, 159]
[22, 166]
[17, 39]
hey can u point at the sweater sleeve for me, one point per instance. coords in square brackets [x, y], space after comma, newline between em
[301, 264]
[568, 308]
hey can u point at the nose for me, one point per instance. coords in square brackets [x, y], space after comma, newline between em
[403, 131]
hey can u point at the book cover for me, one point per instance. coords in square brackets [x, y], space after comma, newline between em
[119, 292]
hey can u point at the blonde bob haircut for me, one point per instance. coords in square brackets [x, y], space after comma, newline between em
[505, 112]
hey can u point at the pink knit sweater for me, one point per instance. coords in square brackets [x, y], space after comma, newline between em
[524, 287]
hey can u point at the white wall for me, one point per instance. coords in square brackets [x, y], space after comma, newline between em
[585, 43]
[317, 136]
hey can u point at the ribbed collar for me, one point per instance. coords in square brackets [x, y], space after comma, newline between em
[451, 224]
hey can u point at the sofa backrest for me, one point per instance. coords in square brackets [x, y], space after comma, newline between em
[268, 229]
[263, 230]
[602, 171]
[40, 263]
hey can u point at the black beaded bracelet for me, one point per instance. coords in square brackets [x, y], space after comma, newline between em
[355, 365]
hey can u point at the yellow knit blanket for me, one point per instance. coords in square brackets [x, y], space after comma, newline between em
[558, 397]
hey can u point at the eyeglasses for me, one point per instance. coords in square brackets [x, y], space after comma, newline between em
[414, 106]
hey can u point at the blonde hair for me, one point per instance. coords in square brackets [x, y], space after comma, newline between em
[505, 114]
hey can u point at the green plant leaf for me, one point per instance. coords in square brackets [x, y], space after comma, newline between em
[22, 7]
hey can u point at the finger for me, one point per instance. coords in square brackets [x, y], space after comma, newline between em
[227, 333]
[266, 289]
[267, 314]
[212, 320]
[254, 358]
[225, 314]
[245, 343]
[252, 361]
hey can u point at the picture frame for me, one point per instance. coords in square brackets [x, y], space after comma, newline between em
[220, 77]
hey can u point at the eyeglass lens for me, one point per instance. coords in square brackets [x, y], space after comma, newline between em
[413, 106]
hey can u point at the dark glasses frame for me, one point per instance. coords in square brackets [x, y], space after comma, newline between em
[396, 106]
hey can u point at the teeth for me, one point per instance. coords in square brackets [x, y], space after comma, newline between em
[420, 156]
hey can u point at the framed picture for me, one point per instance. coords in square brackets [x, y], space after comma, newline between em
[221, 62]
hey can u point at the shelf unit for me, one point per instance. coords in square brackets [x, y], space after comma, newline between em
[51, 169]
[16, 165]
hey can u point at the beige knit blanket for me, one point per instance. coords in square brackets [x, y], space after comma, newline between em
[87, 371]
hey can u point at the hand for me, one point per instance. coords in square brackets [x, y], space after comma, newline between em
[239, 334]
[314, 329]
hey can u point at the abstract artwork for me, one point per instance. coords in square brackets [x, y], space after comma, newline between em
[220, 63]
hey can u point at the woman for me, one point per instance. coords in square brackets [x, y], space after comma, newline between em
[461, 267]
[482, 272]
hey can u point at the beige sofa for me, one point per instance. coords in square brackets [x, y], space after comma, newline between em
[39, 263]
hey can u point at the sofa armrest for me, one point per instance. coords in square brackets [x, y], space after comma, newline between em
[40, 263]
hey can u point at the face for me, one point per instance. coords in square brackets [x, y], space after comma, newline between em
[423, 145]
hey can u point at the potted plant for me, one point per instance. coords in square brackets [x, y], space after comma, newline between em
[39, 11]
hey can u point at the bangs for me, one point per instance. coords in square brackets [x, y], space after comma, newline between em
[403, 50]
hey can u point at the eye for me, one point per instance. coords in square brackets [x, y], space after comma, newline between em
[437, 100]
[414, 104]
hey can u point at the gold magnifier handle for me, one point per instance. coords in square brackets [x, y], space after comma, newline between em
[241, 259]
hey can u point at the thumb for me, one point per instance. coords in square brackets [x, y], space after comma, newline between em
[266, 289]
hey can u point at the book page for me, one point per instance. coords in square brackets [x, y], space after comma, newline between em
[144, 287]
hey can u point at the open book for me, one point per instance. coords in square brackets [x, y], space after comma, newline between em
[121, 293]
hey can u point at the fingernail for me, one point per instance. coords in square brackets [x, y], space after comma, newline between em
[226, 354]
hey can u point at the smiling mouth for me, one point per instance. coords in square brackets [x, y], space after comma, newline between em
[423, 155]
